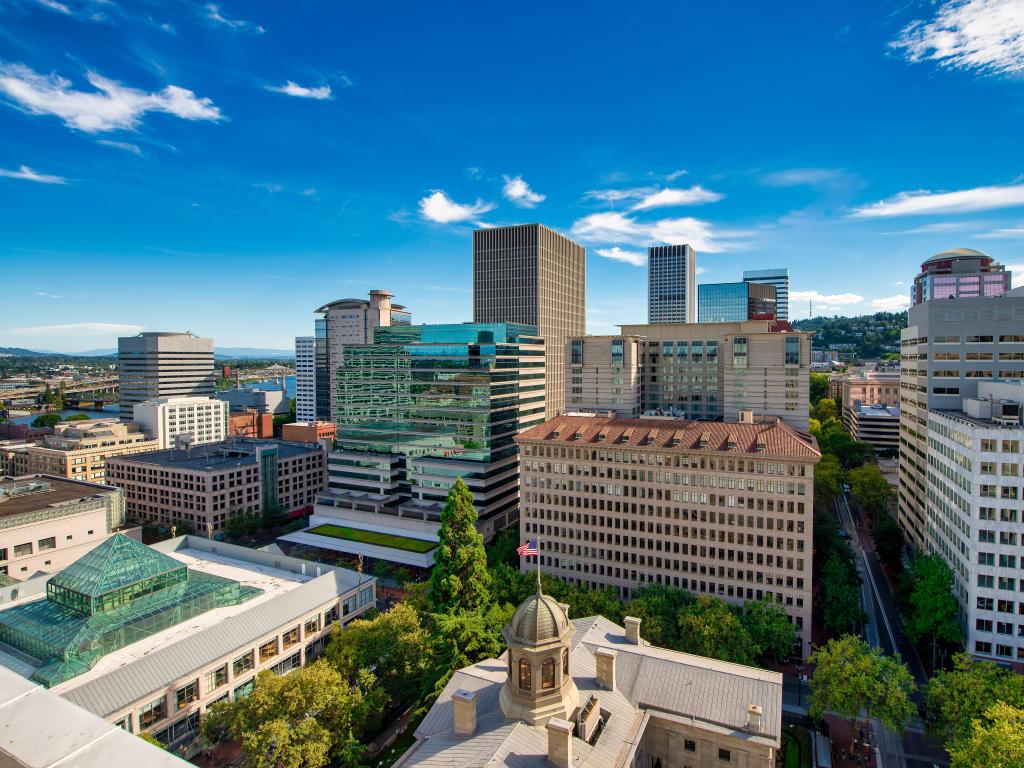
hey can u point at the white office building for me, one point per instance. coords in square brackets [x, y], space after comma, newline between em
[778, 277]
[305, 378]
[204, 419]
[671, 284]
[157, 364]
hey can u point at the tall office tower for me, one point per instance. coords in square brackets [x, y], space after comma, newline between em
[959, 273]
[604, 374]
[778, 277]
[305, 378]
[671, 284]
[531, 275]
[156, 364]
[947, 348]
[344, 322]
[735, 302]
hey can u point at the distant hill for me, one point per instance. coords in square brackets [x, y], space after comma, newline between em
[867, 336]
[224, 353]
[19, 352]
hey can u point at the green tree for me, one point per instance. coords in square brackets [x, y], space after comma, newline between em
[502, 549]
[459, 639]
[826, 409]
[851, 676]
[819, 386]
[659, 608]
[707, 627]
[870, 489]
[770, 629]
[78, 417]
[460, 580]
[933, 609]
[827, 476]
[46, 420]
[888, 538]
[149, 738]
[996, 741]
[840, 595]
[955, 698]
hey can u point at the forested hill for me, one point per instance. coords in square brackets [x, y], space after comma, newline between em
[868, 335]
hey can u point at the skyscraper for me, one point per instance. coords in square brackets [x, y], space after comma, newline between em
[735, 302]
[959, 273]
[779, 277]
[156, 364]
[532, 275]
[305, 378]
[671, 284]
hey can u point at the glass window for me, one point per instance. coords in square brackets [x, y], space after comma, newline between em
[525, 674]
[547, 674]
[792, 350]
[724, 755]
[50, 543]
[739, 352]
[576, 352]
[290, 638]
[330, 616]
[125, 723]
[244, 689]
[312, 626]
[268, 650]
[244, 663]
[690, 745]
[366, 595]
[617, 351]
[20, 550]
[187, 694]
[153, 712]
[217, 677]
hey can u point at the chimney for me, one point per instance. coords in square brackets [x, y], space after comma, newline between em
[754, 713]
[464, 704]
[605, 668]
[746, 417]
[633, 629]
[560, 742]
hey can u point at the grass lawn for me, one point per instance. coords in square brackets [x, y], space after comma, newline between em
[797, 747]
[372, 537]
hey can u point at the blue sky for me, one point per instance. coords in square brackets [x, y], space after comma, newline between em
[227, 168]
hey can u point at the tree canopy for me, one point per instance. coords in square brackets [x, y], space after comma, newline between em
[955, 698]
[933, 609]
[46, 420]
[707, 627]
[460, 579]
[870, 489]
[995, 740]
[770, 630]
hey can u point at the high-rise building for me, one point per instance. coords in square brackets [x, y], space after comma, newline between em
[959, 273]
[158, 364]
[604, 374]
[947, 348]
[305, 378]
[779, 278]
[735, 302]
[203, 419]
[671, 284]
[531, 275]
[345, 322]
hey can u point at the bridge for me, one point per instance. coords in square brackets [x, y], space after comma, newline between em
[90, 401]
[92, 387]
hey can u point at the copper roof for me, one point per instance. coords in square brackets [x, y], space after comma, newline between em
[777, 438]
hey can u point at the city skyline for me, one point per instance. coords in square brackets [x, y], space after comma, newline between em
[230, 159]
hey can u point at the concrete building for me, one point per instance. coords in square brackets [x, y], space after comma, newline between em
[203, 419]
[79, 450]
[421, 407]
[671, 284]
[715, 370]
[47, 522]
[191, 622]
[273, 401]
[876, 423]
[345, 322]
[604, 374]
[735, 302]
[530, 275]
[309, 432]
[305, 378]
[716, 508]
[959, 273]
[591, 694]
[157, 364]
[868, 388]
[778, 277]
[948, 347]
[205, 485]
[974, 513]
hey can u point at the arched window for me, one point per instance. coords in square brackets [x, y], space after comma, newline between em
[510, 665]
[547, 676]
[525, 674]
[565, 663]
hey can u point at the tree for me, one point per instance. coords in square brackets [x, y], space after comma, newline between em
[502, 549]
[459, 639]
[659, 608]
[46, 420]
[149, 738]
[933, 609]
[460, 579]
[827, 476]
[851, 676]
[78, 417]
[888, 538]
[819, 386]
[955, 698]
[870, 489]
[826, 409]
[840, 595]
[996, 741]
[770, 630]
[707, 627]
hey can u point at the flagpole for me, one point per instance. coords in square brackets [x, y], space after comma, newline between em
[538, 566]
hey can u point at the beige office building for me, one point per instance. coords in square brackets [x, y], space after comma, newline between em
[530, 274]
[604, 374]
[715, 508]
[868, 387]
[157, 364]
[202, 419]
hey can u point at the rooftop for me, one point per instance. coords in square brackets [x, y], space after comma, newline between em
[21, 495]
[224, 455]
[957, 253]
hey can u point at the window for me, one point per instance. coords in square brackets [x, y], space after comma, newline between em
[45, 544]
[243, 663]
[724, 755]
[290, 638]
[565, 663]
[792, 350]
[187, 694]
[617, 351]
[125, 723]
[284, 667]
[3, 553]
[20, 550]
[366, 595]
[244, 689]
[576, 352]
[525, 675]
[153, 712]
[217, 677]
[312, 626]
[547, 674]
[330, 616]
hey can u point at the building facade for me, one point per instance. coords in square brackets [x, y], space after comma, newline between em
[309, 432]
[273, 401]
[716, 508]
[604, 374]
[875, 424]
[959, 273]
[777, 277]
[305, 378]
[671, 284]
[251, 423]
[531, 275]
[157, 364]
[735, 302]
[47, 522]
[203, 419]
[869, 387]
[205, 485]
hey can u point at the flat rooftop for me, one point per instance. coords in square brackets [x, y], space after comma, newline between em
[40, 491]
[211, 456]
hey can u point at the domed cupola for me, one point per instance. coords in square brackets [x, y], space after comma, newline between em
[538, 619]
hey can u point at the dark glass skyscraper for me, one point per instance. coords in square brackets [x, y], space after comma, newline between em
[735, 302]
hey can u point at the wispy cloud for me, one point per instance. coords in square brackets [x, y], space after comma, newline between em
[1018, 274]
[832, 299]
[440, 208]
[77, 329]
[926, 202]
[636, 258]
[213, 13]
[1006, 233]
[47, 295]
[27, 174]
[110, 107]
[473, 172]
[895, 303]
[614, 228]
[269, 186]
[125, 145]
[319, 93]
[798, 177]
[654, 197]
[929, 229]
[53, 5]
[981, 35]
[518, 192]
[675, 175]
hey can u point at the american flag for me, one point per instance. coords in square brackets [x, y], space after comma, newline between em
[529, 549]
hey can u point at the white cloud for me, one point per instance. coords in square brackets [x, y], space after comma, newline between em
[1018, 274]
[53, 5]
[47, 295]
[895, 303]
[474, 173]
[437, 206]
[300, 91]
[213, 13]
[611, 227]
[667, 197]
[832, 299]
[110, 107]
[981, 35]
[795, 177]
[27, 174]
[519, 193]
[619, 228]
[675, 175]
[925, 202]
[1006, 232]
[700, 270]
[78, 329]
[269, 186]
[928, 229]
[126, 146]
[636, 258]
